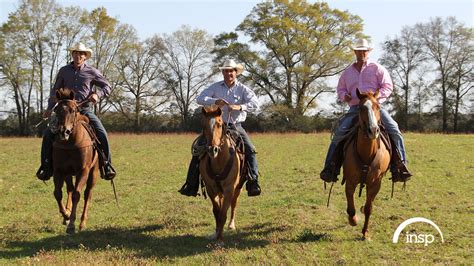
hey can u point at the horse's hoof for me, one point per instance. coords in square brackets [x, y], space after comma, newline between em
[70, 230]
[366, 238]
[232, 226]
[353, 220]
[82, 227]
[65, 221]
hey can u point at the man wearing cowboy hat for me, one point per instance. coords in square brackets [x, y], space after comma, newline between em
[79, 77]
[235, 99]
[367, 76]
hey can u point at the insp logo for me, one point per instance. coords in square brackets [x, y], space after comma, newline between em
[425, 239]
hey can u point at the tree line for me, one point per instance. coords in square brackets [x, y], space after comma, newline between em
[292, 48]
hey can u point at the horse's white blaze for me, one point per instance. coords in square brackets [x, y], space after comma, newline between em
[372, 119]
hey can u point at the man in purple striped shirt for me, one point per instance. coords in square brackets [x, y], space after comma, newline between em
[367, 76]
[81, 78]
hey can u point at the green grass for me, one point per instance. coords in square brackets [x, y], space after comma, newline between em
[288, 224]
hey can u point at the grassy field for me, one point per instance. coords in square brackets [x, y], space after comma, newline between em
[288, 224]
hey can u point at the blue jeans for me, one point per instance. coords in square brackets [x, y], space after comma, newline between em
[347, 122]
[48, 138]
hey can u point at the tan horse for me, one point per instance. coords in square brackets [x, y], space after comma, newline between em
[73, 155]
[220, 170]
[366, 159]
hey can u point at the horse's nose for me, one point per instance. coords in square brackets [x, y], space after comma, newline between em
[67, 132]
[215, 149]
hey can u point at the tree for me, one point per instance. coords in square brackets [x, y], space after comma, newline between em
[441, 38]
[107, 37]
[188, 67]
[462, 78]
[139, 69]
[300, 44]
[402, 56]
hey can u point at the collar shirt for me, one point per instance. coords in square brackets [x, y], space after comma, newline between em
[237, 94]
[80, 81]
[371, 77]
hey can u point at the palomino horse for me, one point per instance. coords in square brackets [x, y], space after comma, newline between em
[73, 155]
[366, 159]
[220, 169]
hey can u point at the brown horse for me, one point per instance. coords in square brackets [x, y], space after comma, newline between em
[366, 159]
[73, 155]
[220, 170]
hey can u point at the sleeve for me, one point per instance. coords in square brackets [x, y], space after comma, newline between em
[385, 82]
[207, 97]
[59, 83]
[342, 89]
[250, 100]
[101, 82]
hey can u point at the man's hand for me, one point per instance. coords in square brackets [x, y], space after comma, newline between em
[347, 97]
[234, 107]
[221, 102]
[47, 114]
[93, 98]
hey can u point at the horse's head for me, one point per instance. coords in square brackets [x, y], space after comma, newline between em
[66, 111]
[213, 129]
[369, 113]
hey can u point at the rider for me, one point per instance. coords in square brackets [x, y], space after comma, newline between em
[234, 97]
[367, 76]
[79, 77]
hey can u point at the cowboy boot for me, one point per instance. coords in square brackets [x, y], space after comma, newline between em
[252, 186]
[332, 170]
[191, 186]
[401, 172]
[45, 171]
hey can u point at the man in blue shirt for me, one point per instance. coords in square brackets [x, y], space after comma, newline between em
[235, 99]
[79, 77]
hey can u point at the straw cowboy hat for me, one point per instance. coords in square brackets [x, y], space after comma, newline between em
[230, 64]
[361, 45]
[80, 47]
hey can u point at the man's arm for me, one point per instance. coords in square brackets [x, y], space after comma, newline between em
[250, 100]
[207, 97]
[385, 82]
[101, 82]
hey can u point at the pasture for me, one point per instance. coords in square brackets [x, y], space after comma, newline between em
[288, 224]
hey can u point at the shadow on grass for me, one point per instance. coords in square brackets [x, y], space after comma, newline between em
[140, 241]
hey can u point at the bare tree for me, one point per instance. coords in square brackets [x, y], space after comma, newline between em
[188, 60]
[138, 90]
[402, 56]
[440, 38]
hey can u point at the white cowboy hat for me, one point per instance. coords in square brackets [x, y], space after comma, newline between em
[361, 45]
[80, 47]
[230, 64]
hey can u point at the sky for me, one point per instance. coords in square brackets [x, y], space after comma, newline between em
[382, 18]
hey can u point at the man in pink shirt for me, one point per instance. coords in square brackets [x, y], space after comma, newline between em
[367, 76]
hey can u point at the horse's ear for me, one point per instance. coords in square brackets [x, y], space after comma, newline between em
[376, 94]
[203, 110]
[71, 95]
[358, 93]
[58, 93]
[218, 111]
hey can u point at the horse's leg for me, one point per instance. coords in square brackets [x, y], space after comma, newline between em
[233, 207]
[93, 173]
[58, 194]
[223, 215]
[76, 196]
[350, 189]
[372, 190]
[69, 189]
[215, 210]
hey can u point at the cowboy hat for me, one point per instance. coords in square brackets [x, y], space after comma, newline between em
[80, 47]
[230, 64]
[361, 45]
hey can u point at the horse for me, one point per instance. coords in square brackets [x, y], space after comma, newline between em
[220, 170]
[366, 159]
[74, 154]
